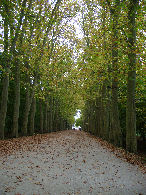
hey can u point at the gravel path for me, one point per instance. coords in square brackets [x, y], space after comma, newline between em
[68, 163]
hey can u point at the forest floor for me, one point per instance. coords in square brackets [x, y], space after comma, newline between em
[68, 163]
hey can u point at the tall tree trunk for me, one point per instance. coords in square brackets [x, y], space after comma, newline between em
[16, 100]
[98, 130]
[55, 115]
[32, 116]
[117, 135]
[104, 111]
[96, 119]
[131, 142]
[17, 68]
[3, 108]
[26, 112]
[41, 116]
[48, 120]
[116, 130]
[5, 81]
[105, 94]
[51, 114]
[46, 117]
[28, 101]
[108, 113]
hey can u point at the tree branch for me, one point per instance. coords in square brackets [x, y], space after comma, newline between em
[19, 25]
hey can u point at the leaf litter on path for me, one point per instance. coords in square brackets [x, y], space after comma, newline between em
[68, 162]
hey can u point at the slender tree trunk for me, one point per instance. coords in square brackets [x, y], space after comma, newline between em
[55, 115]
[17, 71]
[108, 106]
[5, 81]
[131, 142]
[28, 101]
[3, 108]
[48, 121]
[16, 100]
[94, 118]
[41, 116]
[51, 114]
[17, 68]
[32, 116]
[105, 103]
[104, 111]
[97, 117]
[46, 118]
[117, 135]
[99, 113]
[116, 130]
[26, 112]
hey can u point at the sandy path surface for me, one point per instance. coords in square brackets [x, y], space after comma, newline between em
[68, 163]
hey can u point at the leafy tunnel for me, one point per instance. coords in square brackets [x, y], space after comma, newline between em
[57, 57]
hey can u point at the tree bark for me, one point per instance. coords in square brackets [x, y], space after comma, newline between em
[46, 118]
[32, 116]
[131, 142]
[104, 111]
[117, 134]
[3, 109]
[17, 67]
[28, 101]
[16, 100]
[41, 116]
[116, 130]
[5, 81]
[51, 114]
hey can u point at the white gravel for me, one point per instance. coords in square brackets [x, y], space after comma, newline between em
[71, 163]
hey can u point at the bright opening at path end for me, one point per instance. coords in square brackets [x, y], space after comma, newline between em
[78, 115]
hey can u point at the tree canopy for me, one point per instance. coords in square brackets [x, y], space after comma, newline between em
[60, 56]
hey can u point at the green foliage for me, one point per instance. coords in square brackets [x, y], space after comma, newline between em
[74, 71]
[78, 122]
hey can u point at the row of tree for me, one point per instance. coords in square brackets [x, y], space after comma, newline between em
[48, 69]
[112, 56]
[37, 88]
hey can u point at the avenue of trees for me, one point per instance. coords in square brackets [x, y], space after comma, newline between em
[113, 65]
[36, 67]
[49, 69]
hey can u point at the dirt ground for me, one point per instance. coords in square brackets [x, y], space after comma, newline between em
[66, 163]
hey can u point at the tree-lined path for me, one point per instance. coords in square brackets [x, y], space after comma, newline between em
[63, 163]
[60, 57]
